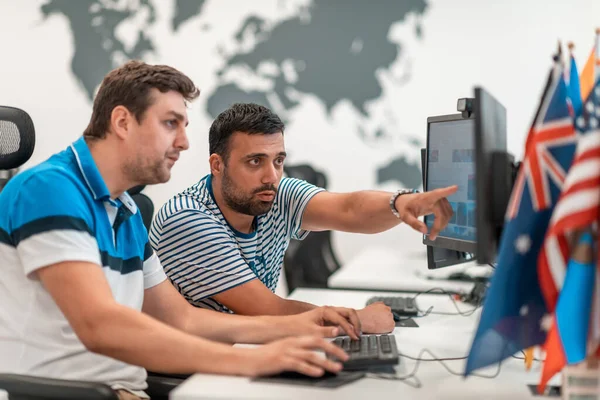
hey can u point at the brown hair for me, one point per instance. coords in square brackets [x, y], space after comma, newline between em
[129, 86]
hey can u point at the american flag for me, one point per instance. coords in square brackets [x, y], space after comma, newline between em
[578, 205]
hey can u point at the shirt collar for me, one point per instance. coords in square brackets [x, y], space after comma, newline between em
[94, 179]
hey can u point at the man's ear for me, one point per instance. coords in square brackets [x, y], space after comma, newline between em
[217, 164]
[120, 121]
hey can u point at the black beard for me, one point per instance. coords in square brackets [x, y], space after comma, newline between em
[242, 203]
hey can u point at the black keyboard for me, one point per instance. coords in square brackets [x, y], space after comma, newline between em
[368, 351]
[399, 305]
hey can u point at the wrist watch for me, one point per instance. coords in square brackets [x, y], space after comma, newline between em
[395, 196]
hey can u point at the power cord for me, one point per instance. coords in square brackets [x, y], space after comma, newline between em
[451, 295]
[522, 358]
[416, 383]
[411, 379]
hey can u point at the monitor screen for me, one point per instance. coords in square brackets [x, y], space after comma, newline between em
[450, 161]
[439, 257]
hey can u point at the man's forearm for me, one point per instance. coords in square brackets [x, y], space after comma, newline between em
[139, 339]
[232, 328]
[368, 212]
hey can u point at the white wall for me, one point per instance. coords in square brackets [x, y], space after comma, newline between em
[506, 46]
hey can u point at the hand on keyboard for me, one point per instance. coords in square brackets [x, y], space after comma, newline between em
[326, 321]
[399, 304]
[369, 351]
[376, 318]
[294, 354]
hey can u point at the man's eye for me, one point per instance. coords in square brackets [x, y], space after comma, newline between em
[254, 161]
[172, 123]
[279, 161]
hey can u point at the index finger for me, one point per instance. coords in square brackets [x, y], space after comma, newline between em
[351, 315]
[440, 193]
[311, 342]
[439, 222]
[333, 316]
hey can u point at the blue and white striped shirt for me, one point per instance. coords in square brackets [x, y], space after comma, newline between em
[57, 211]
[203, 255]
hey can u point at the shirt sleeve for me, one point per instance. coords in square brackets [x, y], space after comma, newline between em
[52, 222]
[153, 270]
[294, 195]
[199, 255]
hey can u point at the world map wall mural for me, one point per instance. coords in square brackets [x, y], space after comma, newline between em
[329, 50]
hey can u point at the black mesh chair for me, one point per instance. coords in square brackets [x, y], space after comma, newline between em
[144, 203]
[309, 262]
[17, 140]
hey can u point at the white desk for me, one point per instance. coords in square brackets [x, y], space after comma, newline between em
[445, 336]
[379, 268]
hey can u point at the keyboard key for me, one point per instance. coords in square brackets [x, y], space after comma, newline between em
[385, 344]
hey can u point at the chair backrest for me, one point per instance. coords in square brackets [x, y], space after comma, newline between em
[17, 137]
[144, 203]
[22, 387]
[307, 173]
[309, 262]
[17, 140]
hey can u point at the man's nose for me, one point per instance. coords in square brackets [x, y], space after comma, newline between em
[269, 174]
[182, 142]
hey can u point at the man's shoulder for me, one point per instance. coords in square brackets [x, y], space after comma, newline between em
[194, 203]
[182, 204]
[295, 184]
[53, 177]
[47, 190]
[292, 189]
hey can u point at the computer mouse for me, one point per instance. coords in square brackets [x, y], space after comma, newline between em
[460, 276]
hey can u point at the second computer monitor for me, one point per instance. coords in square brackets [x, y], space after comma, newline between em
[450, 161]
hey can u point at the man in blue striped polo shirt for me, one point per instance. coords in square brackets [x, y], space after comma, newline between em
[76, 269]
[222, 241]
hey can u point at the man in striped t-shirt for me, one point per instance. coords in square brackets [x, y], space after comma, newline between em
[222, 241]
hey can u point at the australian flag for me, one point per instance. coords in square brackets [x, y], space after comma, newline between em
[514, 308]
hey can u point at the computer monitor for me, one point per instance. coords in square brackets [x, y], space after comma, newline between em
[495, 173]
[450, 161]
[438, 257]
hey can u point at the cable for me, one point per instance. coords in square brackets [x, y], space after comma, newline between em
[522, 358]
[492, 265]
[411, 379]
[417, 383]
[451, 295]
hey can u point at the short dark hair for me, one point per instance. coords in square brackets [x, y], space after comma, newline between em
[129, 86]
[248, 118]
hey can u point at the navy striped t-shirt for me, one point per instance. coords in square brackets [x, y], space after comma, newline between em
[203, 255]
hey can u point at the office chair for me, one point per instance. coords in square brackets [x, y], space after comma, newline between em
[309, 262]
[144, 203]
[17, 141]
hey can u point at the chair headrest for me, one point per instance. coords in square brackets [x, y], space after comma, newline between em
[307, 173]
[17, 137]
